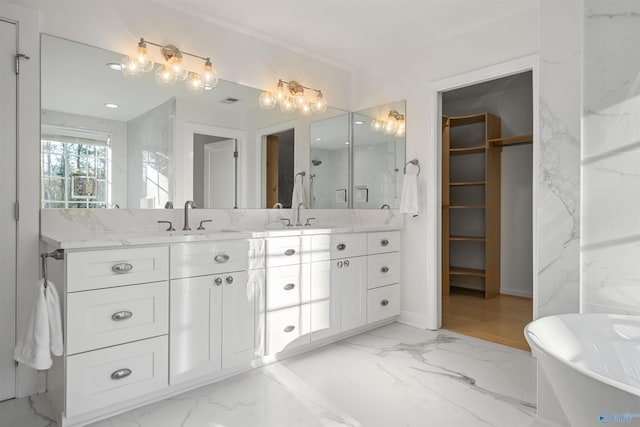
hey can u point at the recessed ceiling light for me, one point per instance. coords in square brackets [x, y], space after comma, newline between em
[358, 122]
[115, 66]
[111, 105]
[318, 139]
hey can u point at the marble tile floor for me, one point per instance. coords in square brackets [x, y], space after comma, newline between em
[392, 376]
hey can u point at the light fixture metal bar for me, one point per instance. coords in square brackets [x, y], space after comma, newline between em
[181, 51]
[298, 84]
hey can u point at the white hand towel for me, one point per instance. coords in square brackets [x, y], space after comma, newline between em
[410, 202]
[298, 195]
[43, 333]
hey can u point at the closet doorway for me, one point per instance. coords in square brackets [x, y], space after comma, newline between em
[487, 209]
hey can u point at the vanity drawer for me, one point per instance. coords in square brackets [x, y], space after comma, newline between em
[287, 325]
[383, 241]
[383, 303]
[287, 286]
[116, 374]
[106, 317]
[116, 267]
[348, 245]
[285, 251]
[200, 259]
[383, 269]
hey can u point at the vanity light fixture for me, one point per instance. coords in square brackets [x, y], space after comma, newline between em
[173, 68]
[393, 125]
[292, 96]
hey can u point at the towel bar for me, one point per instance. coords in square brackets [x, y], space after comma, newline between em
[57, 254]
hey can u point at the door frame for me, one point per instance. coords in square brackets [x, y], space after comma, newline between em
[505, 69]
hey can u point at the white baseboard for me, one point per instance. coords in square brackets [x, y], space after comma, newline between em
[516, 293]
[413, 319]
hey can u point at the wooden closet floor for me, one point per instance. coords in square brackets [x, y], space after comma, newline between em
[501, 319]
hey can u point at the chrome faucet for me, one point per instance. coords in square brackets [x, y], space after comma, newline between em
[298, 223]
[186, 213]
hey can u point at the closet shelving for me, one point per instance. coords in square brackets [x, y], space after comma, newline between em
[464, 136]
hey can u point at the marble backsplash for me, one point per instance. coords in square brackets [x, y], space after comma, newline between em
[136, 220]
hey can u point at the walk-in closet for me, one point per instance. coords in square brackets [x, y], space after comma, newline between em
[487, 209]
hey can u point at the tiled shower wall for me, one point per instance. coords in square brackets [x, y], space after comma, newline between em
[611, 157]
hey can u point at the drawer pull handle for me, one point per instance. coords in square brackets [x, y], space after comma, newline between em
[121, 315]
[120, 374]
[218, 281]
[221, 258]
[229, 279]
[341, 246]
[122, 268]
[384, 302]
[289, 252]
[384, 242]
[289, 286]
[289, 328]
[385, 269]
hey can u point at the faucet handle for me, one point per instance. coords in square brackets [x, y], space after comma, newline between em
[168, 205]
[201, 227]
[288, 224]
[308, 223]
[170, 228]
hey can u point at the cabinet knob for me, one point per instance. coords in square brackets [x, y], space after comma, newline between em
[121, 315]
[229, 279]
[289, 286]
[218, 281]
[120, 374]
[384, 242]
[289, 328]
[385, 269]
[123, 267]
[221, 258]
[289, 252]
[384, 302]
[341, 246]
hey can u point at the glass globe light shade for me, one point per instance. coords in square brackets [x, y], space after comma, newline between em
[287, 105]
[305, 108]
[176, 67]
[266, 100]
[142, 58]
[280, 94]
[130, 68]
[377, 125]
[390, 127]
[194, 83]
[319, 105]
[210, 76]
[400, 128]
[164, 76]
[299, 98]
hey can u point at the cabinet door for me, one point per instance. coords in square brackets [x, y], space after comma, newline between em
[195, 342]
[238, 319]
[324, 314]
[350, 279]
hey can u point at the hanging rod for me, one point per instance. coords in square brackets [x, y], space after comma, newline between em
[414, 162]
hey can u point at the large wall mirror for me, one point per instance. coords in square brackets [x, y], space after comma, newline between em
[166, 144]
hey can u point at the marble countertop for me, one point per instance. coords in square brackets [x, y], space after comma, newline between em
[100, 239]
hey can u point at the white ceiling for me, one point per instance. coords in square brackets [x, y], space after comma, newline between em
[353, 33]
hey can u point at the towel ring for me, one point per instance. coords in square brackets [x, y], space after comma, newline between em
[302, 174]
[414, 162]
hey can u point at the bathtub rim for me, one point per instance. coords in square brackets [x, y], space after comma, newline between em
[536, 345]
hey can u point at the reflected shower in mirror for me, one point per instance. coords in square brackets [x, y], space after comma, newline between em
[378, 156]
[108, 140]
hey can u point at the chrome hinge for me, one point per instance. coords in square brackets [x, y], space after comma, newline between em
[235, 154]
[18, 56]
[16, 210]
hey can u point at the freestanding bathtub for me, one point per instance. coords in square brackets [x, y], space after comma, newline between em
[592, 362]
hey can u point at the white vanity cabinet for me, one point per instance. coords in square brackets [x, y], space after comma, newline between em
[298, 303]
[116, 324]
[383, 275]
[213, 316]
[349, 276]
